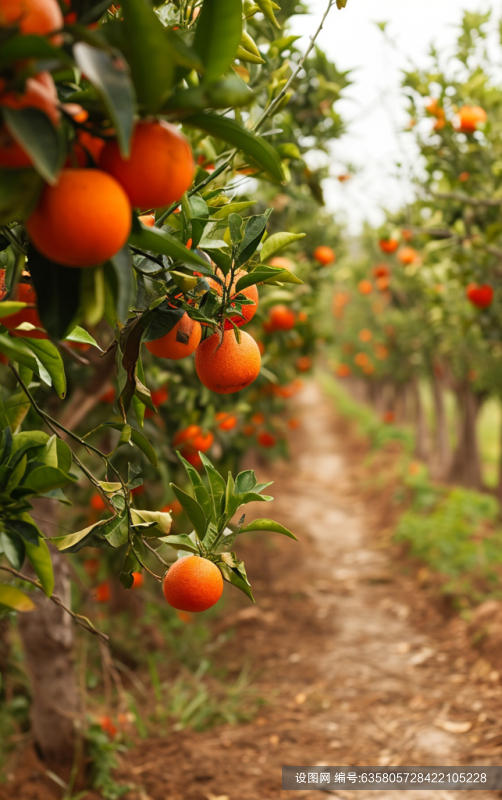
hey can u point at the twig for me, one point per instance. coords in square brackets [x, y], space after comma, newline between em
[464, 198]
[153, 550]
[78, 618]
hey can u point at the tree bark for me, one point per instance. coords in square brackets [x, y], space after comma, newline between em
[443, 448]
[466, 464]
[421, 433]
[47, 635]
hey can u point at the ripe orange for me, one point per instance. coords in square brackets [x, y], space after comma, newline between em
[174, 507]
[193, 583]
[365, 287]
[181, 341]
[108, 396]
[97, 502]
[407, 255]
[227, 366]
[388, 417]
[81, 221]
[87, 149]
[39, 17]
[160, 168]
[261, 347]
[324, 255]
[193, 458]
[468, 119]
[343, 370]
[381, 352]
[102, 592]
[464, 176]
[293, 423]
[388, 245]
[226, 421]
[24, 293]
[365, 335]
[251, 293]
[138, 490]
[266, 439]
[361, 359]
[158, 397]
[248, 430]
[91, 567]
[137, 580]
[108, 727]
[258, 419]
[382, 283]
[193, 439]
[304, 363]
[381, 271]
[302, 317]
[280, 262]
[281, 318]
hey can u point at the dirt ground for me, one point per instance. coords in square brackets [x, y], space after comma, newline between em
[359, 664]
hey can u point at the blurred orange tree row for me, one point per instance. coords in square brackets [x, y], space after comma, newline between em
[423, 305]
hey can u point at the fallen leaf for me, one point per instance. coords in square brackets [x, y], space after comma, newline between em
[450, 726]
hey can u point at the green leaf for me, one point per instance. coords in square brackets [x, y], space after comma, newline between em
[44, 479]
[149, 53]
[35, 133]
[162, 243]
[236, 575]
[217, 485]
[14, 598]
[19, 193]
[160, 519]
[16, 350]
[245, 481]
[277, 242]
[218, 35]
[179, 542]
[267, 525]
[58, 292]
[258, 275]
[40, 559]
[24, 527]
[65, 542]
[139, 439]
[193, 510]
[232, 208]
[78, 334]
[124, 282]
[116, 531]
[229, 92]
[255, 228]
[257, 148]
[8, 307]
[19, 48]
[164, 320]
[13, 548]
[201, 493]
[48, 355]
[109, 75]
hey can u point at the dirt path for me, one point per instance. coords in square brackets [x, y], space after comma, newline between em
[349, 677]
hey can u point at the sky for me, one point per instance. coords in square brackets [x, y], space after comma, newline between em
[373, 106]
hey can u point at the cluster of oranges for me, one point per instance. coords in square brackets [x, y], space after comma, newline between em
[466, 120]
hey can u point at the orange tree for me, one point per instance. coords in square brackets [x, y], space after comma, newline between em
[435, 264]
[118, 231]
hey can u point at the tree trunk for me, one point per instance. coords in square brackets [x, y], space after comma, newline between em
[48, 635]
[421, 444]
[443, 448]
[499, 482]
[466, 464]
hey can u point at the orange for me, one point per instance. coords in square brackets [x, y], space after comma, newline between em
[324, 255]
[91, 567]
[174, 507]
[148, 220]
[251, 293]
[381, 352]
[304, 363]
[24, 293]
[258, 419]
[407, 255]
[193, 583]
[365, 287]
[248, 430]
[302, 316]
[102, 592]
[279, 262]
[365, 335]
[40, 93]
[266, 439]
[97, 502]
[464, 176]
[181, 341]
[107, 726]
[361, 359]
[137, 580]
[158, 397]
[226, 421]
[81, 221]
[87, 149]
[108, 396]
[193, 459]
[381, 271]
[281, 318]
[39, 17]
[261, 347]
[293, 423]
[388, 417]
[227, 366]
[468, 119]
[194, 439]
[138, 490]
[388, 245]
[382, 283]
[343, 370]
[407, 234]
[160, 168]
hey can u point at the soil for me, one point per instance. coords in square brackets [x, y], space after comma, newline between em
[361, 662]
